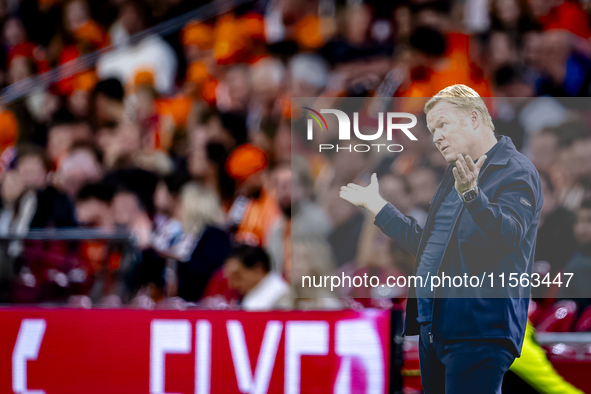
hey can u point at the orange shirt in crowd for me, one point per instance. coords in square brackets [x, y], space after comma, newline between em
[457, 69]
[258, 217]
[568, 16]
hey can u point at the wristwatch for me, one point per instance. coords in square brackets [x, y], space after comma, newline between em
[469, 195]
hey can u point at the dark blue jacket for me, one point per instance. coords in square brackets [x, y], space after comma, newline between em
[495, 233]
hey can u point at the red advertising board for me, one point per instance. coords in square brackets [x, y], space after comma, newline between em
[61, 351]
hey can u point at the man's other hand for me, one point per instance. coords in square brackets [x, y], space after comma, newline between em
[466, 172]
[367, 197]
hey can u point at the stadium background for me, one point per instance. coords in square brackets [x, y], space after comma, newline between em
[141, 140]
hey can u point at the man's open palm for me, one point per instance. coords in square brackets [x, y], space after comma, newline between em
[367, 197]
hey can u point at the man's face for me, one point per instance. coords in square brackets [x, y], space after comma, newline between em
[79, 168]
[289, 189]
[580, 159]
[240, 278]
[125, 207]
[92, 213]
[59, 140]
[452, 130]
[163, 200]
[542, 151]
[393, 191]
[423, 184]
[283, 177]
[32, 172]
[583, 227]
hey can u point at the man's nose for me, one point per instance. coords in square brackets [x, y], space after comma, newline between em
[437, 136]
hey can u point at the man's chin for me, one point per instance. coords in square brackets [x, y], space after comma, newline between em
[449, 157]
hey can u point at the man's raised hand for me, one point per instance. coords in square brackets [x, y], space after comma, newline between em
[466, 172]
[367, 197]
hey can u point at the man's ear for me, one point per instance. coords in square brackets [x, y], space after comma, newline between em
[475, 119]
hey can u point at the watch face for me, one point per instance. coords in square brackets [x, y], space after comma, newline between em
[469, 195]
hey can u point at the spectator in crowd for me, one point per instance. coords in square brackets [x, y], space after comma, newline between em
[248, 270]
[562, 59]
[543, 149]
[150, 54]
[255, 209]
[580, 264]
[93, 206]
[36, 203]
[106, 103]
[312, 259]
[81, 165]
[555, 228]
[203, 247]
[397, 190]
[347, 224]
[423, 183]
[168, 229]
[102, 261]
[299, 215]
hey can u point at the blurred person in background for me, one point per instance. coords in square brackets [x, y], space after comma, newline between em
[438, 56]
[206, 163]
[234, 91]
[556, 228]
[255, 207]
[543, 149]
[562, 59]
[347, 221]
[502, 50]
[423, 183]
[511, 16]
[248, 270]
[308, 75]
[130, 213]
[580, 263]
[93, 206]
[81, 165]
[30, 202]
[267, 77]
[150, 54]
[204, 246]
[133, 205]
[168, 229]
[561, 14]
[103, 260]
[312, 257]
[575, 172]
[106, 103]
[397, 190]
[299, 215]
[28, 197]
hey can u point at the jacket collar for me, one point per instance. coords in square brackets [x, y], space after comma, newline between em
[500, 157]
[504, 152]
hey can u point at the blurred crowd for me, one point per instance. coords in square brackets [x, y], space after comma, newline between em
[184, 140]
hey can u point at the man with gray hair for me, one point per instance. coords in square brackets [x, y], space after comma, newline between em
[482, 222]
